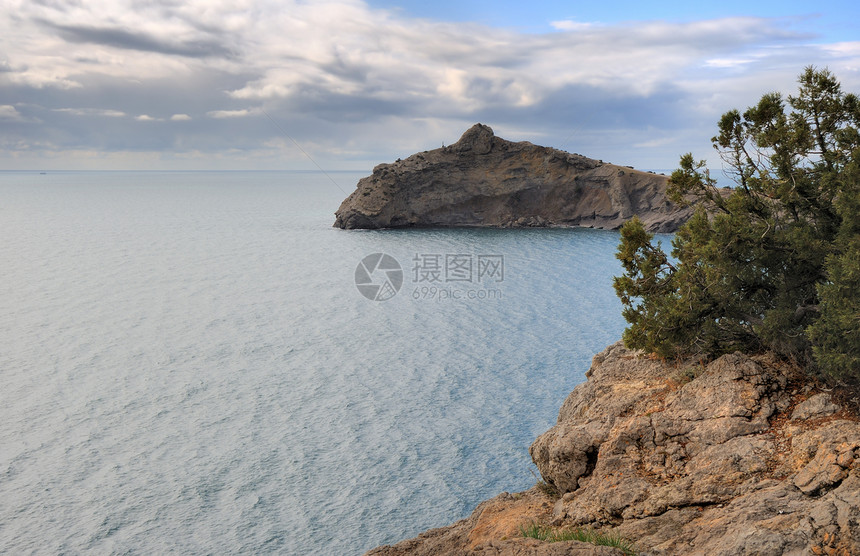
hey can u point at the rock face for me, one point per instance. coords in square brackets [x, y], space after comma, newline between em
[483, 180]
[493, 529]
[736, 457]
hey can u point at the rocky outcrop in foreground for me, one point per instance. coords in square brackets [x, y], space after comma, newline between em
[736, 457]
[483, 180]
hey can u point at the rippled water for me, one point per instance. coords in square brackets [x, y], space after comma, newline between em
[187, 366]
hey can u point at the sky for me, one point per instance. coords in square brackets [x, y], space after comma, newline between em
[347, 84]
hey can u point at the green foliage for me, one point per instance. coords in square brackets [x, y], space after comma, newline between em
[836, 334]
[773, 262]
[548, 534]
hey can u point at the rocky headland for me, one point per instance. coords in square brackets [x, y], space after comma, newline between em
[484, 180]
[740, 456]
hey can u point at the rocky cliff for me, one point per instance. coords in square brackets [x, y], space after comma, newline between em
[740, 456]
[483, 180]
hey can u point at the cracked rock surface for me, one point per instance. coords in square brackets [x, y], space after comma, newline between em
[739, 460]
[484, 180]
[740, 456]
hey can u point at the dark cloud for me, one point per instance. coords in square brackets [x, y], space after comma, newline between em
[131, 40]
[598, 108]
[339, 107]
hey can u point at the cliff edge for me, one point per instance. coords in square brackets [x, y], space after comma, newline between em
[741, 456]
[483, 180]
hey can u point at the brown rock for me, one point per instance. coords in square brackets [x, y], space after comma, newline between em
[731, 462]
[494, 529]
[711, 467]
[483, 180]
[819, 405]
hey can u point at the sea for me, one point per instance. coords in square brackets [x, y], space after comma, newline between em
[199, 363]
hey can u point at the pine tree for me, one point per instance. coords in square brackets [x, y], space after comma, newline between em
[836, 334]
[773, 262]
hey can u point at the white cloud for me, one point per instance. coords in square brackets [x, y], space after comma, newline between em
[462, 69]
[8, 112]
[146, 118]
[180, 118]
[570, 25]
[851, 49]
[222, 114]
[726, 63]
[92, 112]
[845, 61]
[655, 143]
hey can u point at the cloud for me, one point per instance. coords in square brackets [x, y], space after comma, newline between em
[655, 143]
[92, 112]
[726, 63]
[8, 112]
[570, 25]
[372, 84]
[845, 57]
[132, 40]
[222, 114]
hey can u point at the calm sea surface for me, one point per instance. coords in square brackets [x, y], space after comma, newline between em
[187, 366]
